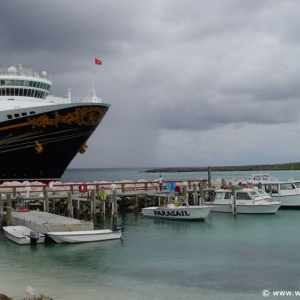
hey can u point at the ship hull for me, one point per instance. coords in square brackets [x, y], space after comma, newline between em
[40, 146]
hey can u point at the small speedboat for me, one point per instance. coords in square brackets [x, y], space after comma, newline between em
[86, 235]
[23, 235]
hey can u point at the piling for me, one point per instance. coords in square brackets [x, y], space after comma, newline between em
[8, 210]
[195, 194]
[184, 193]
[102, 202]
[114, 209]
[1, 211]
[103, 209]
[201, 194]
[70, 205]
[93, 206]
[223, 182]
[270, 189]
[233, 200]
[209, 177]
[137, 201]
[53, 206]
[46, 202]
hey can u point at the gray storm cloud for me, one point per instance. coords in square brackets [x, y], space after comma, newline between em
[176, 73]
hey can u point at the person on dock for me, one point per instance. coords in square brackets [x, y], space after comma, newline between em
[160, 182]
[102, 193]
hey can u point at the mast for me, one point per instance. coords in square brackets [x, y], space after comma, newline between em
[94, 80]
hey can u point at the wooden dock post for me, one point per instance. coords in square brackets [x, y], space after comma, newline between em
[270, 189]
[72, 189]
[223, 183]
[8, 209]
[70, 205]
[195, 194]
[201, 194]
[103, 209]
[97, 192]
[184, 193]
[46, 202]
[1, 211]
[93, 206]
[233, 200]
[115, 209]
[209, 177]
[53, 206]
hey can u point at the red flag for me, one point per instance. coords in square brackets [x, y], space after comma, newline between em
[98, 61]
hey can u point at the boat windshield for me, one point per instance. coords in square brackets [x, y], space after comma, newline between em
[256, 195]
[263, 193]
[297, 184]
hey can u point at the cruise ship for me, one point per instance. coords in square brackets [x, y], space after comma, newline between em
[41, 134]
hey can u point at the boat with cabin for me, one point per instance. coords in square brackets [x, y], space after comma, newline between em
[247, 201]
[287, 192]
[40, 134]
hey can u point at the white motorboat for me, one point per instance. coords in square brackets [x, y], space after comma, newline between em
[287, 192]
[248, 201]
[172, 210]
[23, 235]
[85, 236]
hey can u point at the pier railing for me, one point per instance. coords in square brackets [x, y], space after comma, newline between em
[62, 189]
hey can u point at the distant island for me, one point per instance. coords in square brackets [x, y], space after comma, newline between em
[275, 167]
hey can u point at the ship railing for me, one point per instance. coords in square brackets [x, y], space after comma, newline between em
[22, 72]
[86, 100]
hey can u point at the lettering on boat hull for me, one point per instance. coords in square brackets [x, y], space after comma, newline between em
[172, 213]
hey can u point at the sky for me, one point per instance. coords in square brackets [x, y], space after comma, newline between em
[190, 83]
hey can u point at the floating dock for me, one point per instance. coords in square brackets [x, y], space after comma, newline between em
[44, 222]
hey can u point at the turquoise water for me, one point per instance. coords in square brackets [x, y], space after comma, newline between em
[223, 257]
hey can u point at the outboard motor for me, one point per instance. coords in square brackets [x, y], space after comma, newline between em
[118, 228]
[34, 236]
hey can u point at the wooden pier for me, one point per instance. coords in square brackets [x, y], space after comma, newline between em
[67, 204]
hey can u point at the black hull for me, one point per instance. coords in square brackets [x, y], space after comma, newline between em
[40, 147]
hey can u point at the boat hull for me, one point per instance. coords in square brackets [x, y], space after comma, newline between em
[177, 213]
[288, 200]
[41, 145]
[84, 236]
[247, 209]
[21, 235]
